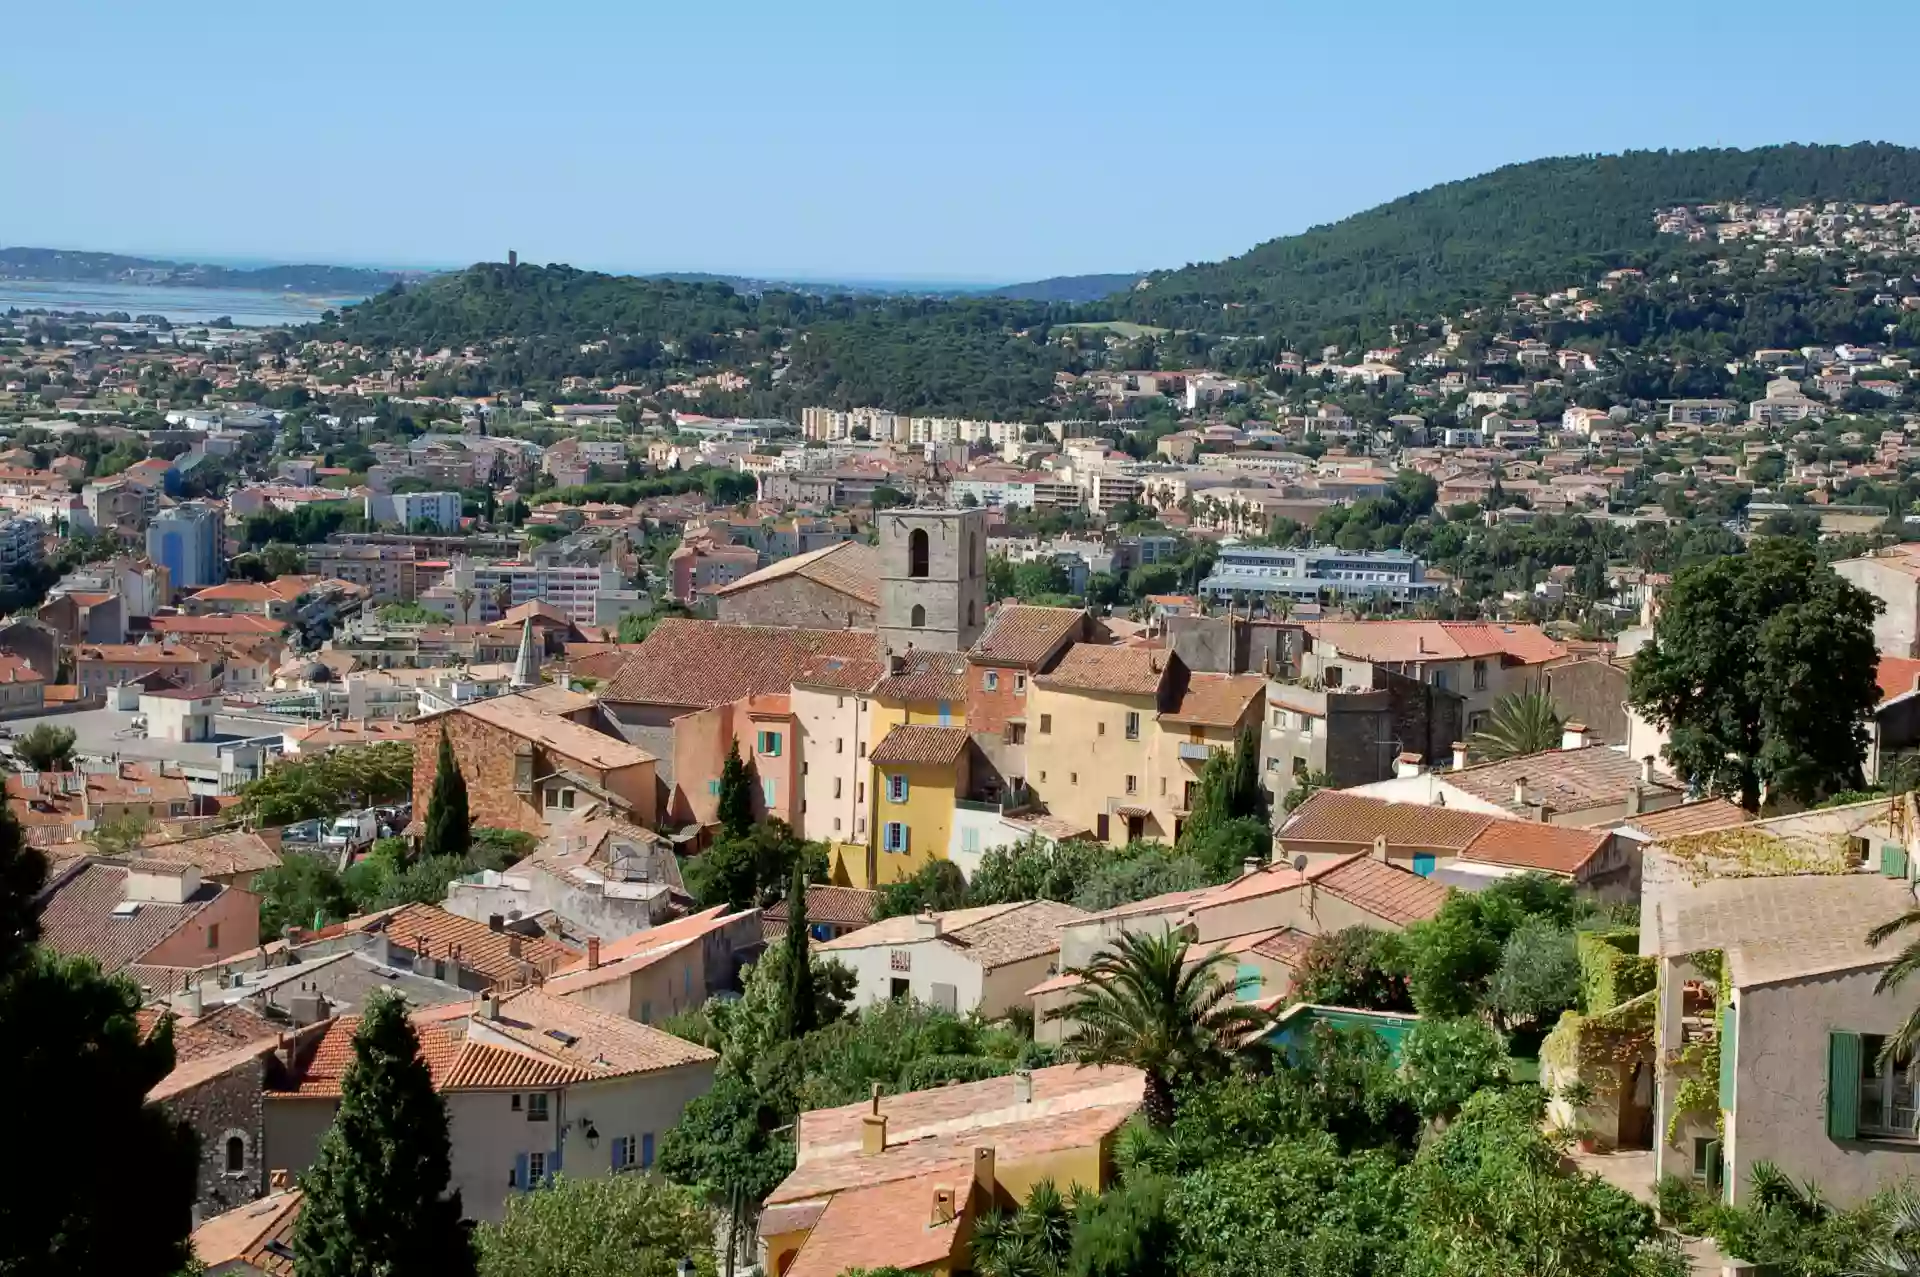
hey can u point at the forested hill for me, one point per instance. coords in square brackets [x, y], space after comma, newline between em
[1535, 226]
[66, 266]
[1069, 288]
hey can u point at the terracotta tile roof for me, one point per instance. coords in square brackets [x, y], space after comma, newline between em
[908, 744]
[1285, 945]
[200, 1070]
[1563, 779]
[1398, 642]
[234, 851]
[1332, 815]
[77, 918]
[248, 1235]
[219, 1030]
[1397, 895]
[839, 906]
[1527, 844]
[1021, 636]
[852, 568]
[841, 673]
[369, 732]
[482, 949]
[1897, 676]
[982, 1105]
[928, 678]
[597, 1043]
[320, 1068]
[1125, 671]
[887, 1225]
[1217, 700]
[990, 935]
[239, 623]
[283, 589]
[483, 1067]
[1690, 818]
[580, 976]
[531, 721]
[15, 670]
[705, 663]
[597, 660]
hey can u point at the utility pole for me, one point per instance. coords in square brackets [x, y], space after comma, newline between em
[733, 1226]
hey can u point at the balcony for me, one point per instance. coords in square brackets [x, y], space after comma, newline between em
[1192, 753]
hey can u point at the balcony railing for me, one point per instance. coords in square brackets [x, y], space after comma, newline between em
[1196, 753]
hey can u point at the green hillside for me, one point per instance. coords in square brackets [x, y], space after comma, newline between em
[1534, 226]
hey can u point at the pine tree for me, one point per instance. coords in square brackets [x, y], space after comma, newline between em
[736, 795]
[798, 1012]
[449, 827]
[377, 1203]
[75, 1050]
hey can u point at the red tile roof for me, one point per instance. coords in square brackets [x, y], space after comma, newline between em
[1388, 892]
[1021, 636]
[1334, 816]
[912, 744]
[1398, 642]
[1691, 818]
[706, 663]
[1524, 844]
[1897, 676]
[1217, 700]
[1124, 671]
[78, 919]
[851, 568]
[481, 948]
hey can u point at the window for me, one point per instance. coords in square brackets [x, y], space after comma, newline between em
[918, 617]
[767, 789]
[1443, 679]
[536, 1169]
[236, 1154]
[970, 840]
[1016, 734]
[1479, 676]
[893, 836]
[1306, 725]
[1133, 784]
[767, 743]
[1099, 729]
[860, 792]
[973, 617]
[917, 555]
[1073, 778]
[1280, 719]
[1299, 766]
[836, 786]
[1020, 684]
[839, 744]
[896, 789]
[213, 936]
[626, 1150]
[1046, 724]
[990, 681]
[1887, 1092]
[537, 1106]
[713, 789]
[1133, 724]
[1331, 676]
[836, 824]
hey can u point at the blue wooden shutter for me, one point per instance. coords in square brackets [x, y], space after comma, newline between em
[646, 1149]
[619, 1151]
[553, 1162]
[1729, 1045]
[1843, 1085]
[1423, 865]
[1893, 860]
[519, 1171]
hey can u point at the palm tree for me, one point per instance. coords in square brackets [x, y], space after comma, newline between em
[1144, 1005]
[1521, 723]
[1897, 1253]
[1901, 1045]
[1032, 1242]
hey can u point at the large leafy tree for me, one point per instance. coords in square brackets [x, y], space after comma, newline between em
[612, 1226]
[1520, 723]
[46, 747]
[1145, 1004]
[377, 1202]
[449, 825]
[1355, 967]
[1761, 669]
[75, 1056]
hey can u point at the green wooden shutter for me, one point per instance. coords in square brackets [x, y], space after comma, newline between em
[1893, 860]
[1843, 1085]
[1729, 1045]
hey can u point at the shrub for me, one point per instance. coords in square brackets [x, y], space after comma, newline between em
[1611, 969]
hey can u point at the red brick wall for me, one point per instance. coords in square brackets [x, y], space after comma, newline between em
[989, 711]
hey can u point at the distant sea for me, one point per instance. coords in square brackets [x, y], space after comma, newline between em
[180, 305]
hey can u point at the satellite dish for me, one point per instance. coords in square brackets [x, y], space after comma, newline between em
[1300, 863]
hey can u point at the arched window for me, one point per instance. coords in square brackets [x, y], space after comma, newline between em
[917, 553]
[236, 1154]
[973, 556]
[972, 616]
[918, 617]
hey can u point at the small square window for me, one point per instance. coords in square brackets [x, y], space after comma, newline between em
[537, 1106]
[990, 681]
[213, 936]
[1046, 724]
[1073, 778]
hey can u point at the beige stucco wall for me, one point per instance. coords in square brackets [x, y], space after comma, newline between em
[1079, 771]
[1780, 1086]
[833, 743]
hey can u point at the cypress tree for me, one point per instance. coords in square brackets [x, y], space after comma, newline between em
[76, 1061]
[797, 1010]
[449, 827]
[377, 1203]
[736, 795]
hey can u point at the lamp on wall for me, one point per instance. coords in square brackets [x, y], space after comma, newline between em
[591, 1131]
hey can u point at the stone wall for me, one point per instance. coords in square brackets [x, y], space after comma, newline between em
[1594, 693]
[794, 602]
[486, 758]
[228, 1107]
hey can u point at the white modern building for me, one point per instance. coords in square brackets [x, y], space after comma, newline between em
[441, 509]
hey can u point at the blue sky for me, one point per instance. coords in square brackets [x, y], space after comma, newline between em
[992, 140]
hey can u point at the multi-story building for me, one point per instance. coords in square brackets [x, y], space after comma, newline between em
[1246, 574]
[439, 509]
[21, 542]
[190, 542]
[480, 593]
[933, 579]
[389, 572]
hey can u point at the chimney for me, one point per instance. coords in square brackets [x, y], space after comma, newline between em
[188, 1002]
[942, 1206]
[1636, 799]
[926, 924]
[983, 1177]
[383, 949]
[1407, 766]
[1541, 811]
[279, 1179]
[1022, 1087]
[593, 952]
[1573, 735]
[1646, 770]
[1251, 865]
[1459, 755]
[513, 944]
[1380, 848]
[490, 1007]
[873, 1127]
[496, 922]
[1519, 791]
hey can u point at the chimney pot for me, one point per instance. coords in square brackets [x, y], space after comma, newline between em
[593, 952]
[189, 1002]
[873, 1127]
[1407, 765]
[279, 1179]
[1251, 865]
[513, 944]
[1646, 770]
[1022, 1089]
[1573, 735]
[490, 1007]
[1459, 755]
[496, 922]
[942, 1206]
[1519, 791]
